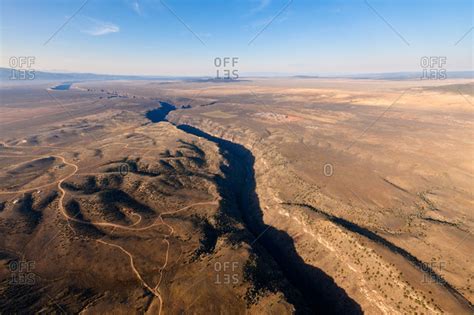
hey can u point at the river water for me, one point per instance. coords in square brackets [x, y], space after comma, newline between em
[238, 189]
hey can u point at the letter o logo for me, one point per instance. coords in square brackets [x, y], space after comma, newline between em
[328, 170]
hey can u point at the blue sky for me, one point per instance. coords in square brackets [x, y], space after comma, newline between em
[308, 37]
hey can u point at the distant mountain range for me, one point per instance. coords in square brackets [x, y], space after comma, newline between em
[407, 75]
[6, 74]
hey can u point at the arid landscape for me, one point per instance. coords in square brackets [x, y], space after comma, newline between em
[259, 196]
[261, 157]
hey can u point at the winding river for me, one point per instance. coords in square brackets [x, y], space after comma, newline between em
[238, 188]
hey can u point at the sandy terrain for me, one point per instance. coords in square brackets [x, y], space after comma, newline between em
[357, 193]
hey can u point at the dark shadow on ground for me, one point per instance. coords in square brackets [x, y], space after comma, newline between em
[321, 294]
[425, 268]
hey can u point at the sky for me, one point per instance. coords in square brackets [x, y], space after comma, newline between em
[184, 37]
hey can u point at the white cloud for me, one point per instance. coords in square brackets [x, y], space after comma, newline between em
[204, 35]
[258, 24]
[136, 7]
[262, 5]
[98, 28]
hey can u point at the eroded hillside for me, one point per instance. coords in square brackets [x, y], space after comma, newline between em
[130, 218]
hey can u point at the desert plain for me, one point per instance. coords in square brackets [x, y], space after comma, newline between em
[260, 195]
